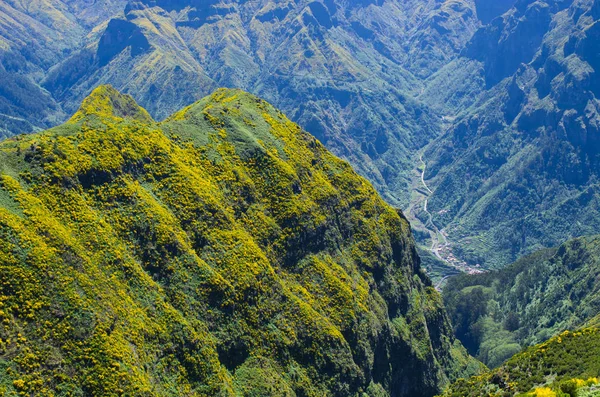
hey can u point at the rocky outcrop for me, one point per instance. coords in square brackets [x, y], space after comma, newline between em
[119, 35]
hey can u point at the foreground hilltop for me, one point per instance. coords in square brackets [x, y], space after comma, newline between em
[221, 252]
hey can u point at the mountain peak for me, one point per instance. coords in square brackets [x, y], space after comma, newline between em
[177, 225]
[106, 101]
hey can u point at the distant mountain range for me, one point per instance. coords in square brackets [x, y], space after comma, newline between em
[518, 168]
[348, 72]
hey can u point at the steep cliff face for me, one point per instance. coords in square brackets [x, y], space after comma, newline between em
[221, 252]
[119, 35]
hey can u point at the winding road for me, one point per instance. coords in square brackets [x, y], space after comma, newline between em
[423, 177]
[438, 286]
[435, 234]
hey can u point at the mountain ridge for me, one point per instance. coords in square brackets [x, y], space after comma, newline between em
[347, 72]
[221, 251]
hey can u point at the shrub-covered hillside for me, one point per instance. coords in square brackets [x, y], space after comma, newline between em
[567, 365]
[221, 252]
[539, 296]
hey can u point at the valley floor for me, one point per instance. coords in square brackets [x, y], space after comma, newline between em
[443, 263]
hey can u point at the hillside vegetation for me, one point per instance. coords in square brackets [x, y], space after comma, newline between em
[567, 365]
[498, 313]
[499, 97]
[222, 252]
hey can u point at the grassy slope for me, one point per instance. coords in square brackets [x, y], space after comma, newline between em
[221, 252]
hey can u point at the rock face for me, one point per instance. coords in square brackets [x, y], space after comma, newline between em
[510, 41]
[222, 252]
[119, 35]
[488, 10]
[517, 170]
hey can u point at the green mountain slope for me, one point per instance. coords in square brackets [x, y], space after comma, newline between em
[539, 296]
[518, 169]
[567, 365]
[221, 252]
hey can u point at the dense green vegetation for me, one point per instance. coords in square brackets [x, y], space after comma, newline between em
[497, 313]
[221, 252]
[567, 365]
[501, 96]
[224, 251]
